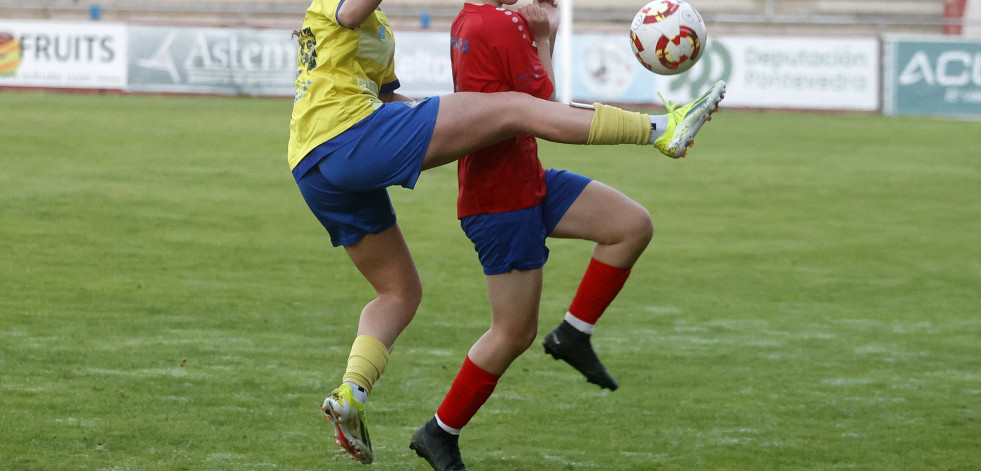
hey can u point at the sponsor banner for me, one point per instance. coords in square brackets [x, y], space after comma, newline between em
[62, 55]
[796, 73]
[422, 63]
[604, 69]
[212, 60]
[932, 77]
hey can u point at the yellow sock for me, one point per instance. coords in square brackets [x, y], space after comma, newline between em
[367, 361]
[611, 125]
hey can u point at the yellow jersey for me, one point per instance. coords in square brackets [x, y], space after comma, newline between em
[340, 73]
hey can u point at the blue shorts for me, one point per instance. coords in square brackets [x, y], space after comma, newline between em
[346, 188]
[515, 240]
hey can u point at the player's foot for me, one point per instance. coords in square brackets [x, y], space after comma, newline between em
[439, 447]
[685, 121]
[347, 415]
[568, 344]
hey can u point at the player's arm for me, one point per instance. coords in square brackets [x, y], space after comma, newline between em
[390, 97]
[539, 25]
[551, 8]
[387, 90]
[351, 13]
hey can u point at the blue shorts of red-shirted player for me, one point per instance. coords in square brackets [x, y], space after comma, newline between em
[515, 240]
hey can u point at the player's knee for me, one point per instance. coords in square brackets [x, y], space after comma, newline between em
[516, 97]
[634, 226]
[526, 337]
[407, 294]
[517, 344]
[517, 338]
[413, 295]
[641, 227]
[514, 107]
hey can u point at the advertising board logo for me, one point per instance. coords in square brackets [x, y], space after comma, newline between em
[163, 60]
[939, 77]
[608, 68]
[226, 58]
[9, 54]
[953, 68]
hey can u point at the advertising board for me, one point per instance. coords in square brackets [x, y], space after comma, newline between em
[807, 73]
[212, 60]
[50, 54]
[932, 76]
[605, 70]
[422, 63]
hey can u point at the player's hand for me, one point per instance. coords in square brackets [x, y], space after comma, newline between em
[538, 21]
[551, 8]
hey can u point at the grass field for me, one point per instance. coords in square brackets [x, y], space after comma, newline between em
[811, 301]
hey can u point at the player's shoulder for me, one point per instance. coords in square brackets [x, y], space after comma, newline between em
[499, 26]
[498, 15]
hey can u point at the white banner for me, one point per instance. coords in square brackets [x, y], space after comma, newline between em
[795, 73]
[605, 70]
[422, 63]
[62, 55]
[212, 60]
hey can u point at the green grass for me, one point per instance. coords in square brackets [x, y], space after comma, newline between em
[811, 300]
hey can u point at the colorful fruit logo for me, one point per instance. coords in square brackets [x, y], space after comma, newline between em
[9, 54]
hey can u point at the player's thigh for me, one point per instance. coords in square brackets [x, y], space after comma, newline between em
[514, 298]
[470, 121]
[604, 215]
[385, 261]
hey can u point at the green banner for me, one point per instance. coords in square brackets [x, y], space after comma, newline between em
[932, 77]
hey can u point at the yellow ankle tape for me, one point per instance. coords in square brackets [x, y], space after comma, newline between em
[611, 125]
[367, 361]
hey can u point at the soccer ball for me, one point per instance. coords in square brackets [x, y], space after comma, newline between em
[667, 36]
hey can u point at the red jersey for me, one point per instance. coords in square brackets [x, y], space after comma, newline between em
[492, 50]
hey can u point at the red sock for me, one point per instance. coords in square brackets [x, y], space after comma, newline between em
[598, 287]
[469, 391]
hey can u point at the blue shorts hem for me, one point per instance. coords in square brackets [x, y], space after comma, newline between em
[515, 240]
[347, 188]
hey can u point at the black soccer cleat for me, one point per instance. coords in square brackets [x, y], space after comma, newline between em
[568, 344]
[439, 447]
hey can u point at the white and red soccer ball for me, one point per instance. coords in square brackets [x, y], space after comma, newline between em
[667, 36]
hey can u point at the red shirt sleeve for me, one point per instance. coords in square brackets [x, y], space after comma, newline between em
[521, 62]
